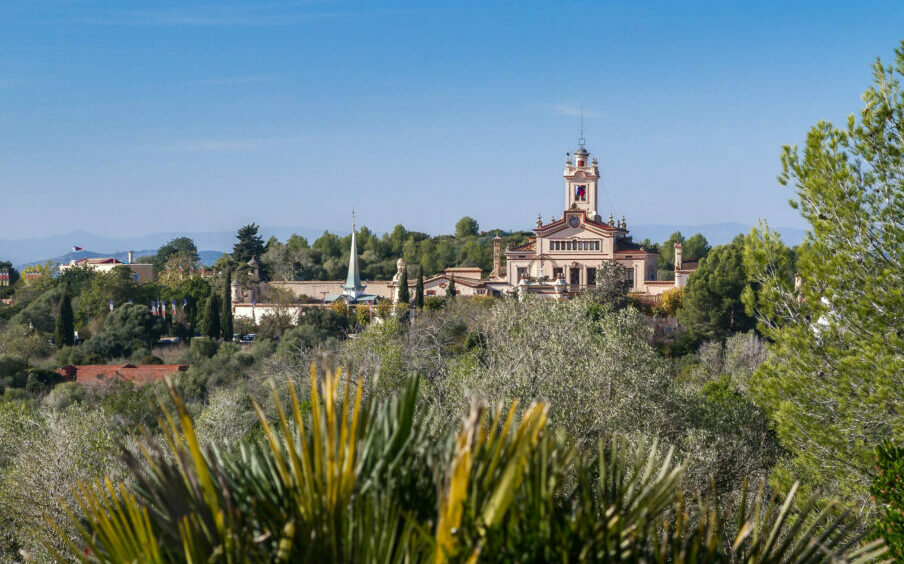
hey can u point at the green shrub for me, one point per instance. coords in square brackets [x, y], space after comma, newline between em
[204, 347]
[888, 490]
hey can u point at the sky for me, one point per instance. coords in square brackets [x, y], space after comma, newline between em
[123, 118]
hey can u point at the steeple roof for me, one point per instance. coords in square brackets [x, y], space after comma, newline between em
[353, 280]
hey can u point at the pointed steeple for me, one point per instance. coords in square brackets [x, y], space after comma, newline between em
[353, 287]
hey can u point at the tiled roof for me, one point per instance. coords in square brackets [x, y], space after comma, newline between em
[529, 247]
[140, 374]
[98, 261]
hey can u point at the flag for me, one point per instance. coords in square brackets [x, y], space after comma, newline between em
[76, 248]
[253, 305]
[111, 304]
[184, 303]
[153, 307]
[162, 306]
[173, 305]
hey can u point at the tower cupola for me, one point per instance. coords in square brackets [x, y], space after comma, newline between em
[581, 178]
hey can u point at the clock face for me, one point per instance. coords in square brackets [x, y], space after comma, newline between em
[573, 221]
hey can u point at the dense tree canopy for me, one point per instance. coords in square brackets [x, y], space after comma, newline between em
[466, 226]
[249, 244]
[711, 305]
[835, 380]
[180, 251]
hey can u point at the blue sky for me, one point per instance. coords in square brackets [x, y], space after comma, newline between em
[124, 118]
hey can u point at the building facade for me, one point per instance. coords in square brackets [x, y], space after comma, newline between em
[141, 273]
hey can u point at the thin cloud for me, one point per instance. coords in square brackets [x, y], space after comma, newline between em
[574, 110]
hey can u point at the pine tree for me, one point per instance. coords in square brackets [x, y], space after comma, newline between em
[226, 316]
[249, 244]
[712, 307]
[834, 380]
[419, 289]
[64, 333]
[212, 317]
[450, 290]
[404, 294]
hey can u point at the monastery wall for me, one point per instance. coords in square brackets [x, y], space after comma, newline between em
[318, 290]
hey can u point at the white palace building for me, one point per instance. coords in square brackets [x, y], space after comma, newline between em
[561, 260]
[564, 256]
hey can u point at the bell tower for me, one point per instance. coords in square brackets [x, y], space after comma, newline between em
[581, 178]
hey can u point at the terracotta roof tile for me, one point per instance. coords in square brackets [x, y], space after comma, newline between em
[141, 374]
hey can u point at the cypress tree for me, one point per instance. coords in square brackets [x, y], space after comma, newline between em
[64, 333]
[212, 317]
[226, 317]
[450, 290]
[419, 289]
[404, 294]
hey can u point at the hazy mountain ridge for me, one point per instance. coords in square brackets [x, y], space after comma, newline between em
[23, 252]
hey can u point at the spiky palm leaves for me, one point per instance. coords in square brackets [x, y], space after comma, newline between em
[348, 480]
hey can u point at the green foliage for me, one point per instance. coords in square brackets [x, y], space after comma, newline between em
[317, 326]
[117, 284]
[129, 328]
[345, 478]
[211, 321]
[712, 307]
[226, 316]
[466, 226]
[611, 285]
[419, 289]
[695, 247]
[249, 244]
[64, 333]
[450, 289]
[204, 347]
[888, 490]
[53, 451]
[834, 384]
[182, 249]
[404, 294]
[13, 372]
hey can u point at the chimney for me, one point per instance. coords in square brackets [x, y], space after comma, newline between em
[131, 257]
[678, 247]
[497, 257]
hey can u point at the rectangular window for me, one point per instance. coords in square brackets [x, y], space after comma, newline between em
[575, 276]
[629, 278]
[596, 244]
[556, 272]
[522, 272]
[591, 276]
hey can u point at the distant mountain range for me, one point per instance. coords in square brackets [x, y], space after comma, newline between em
[23, 252]
[715, 233]
[207, 257]
[57, 248]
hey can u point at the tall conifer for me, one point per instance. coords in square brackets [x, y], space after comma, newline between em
[64, 333]
[419, 289]
[450, 290]
[212, 317]
[404, 294]
[226, 316]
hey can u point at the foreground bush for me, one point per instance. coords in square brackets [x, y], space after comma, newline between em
[346, 479]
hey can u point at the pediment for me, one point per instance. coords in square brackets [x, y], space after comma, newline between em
[565, 231]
